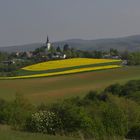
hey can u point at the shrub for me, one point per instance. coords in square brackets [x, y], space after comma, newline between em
[3, 107]
[114, 121]
[19, 110]
[134, 132]
[44, 121]
[73, 118]
[114, 89]
[92, 95]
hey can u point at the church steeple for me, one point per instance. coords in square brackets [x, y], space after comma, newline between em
[48, 44]
[48, 39]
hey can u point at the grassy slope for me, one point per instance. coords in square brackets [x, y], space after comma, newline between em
[8, 134]
[51, 89]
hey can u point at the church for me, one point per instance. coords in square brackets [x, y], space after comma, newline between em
[55, 54]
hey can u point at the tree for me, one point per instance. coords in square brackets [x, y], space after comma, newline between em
[114, 52]
[66, 48]
[97, 54]
[114, 120]
[92, 95]
[3, 56]
[20, 110]
[58, 49]
[73, 118]
[134, 58]
[52, 50]
[114, 89]
[134, 132]
[125, 55]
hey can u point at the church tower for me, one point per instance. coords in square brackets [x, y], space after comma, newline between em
[48, 44]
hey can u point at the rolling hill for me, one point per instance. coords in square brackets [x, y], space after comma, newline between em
[57, 88]
[130, 43]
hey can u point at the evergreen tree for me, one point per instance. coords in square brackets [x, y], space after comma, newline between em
[58, 49]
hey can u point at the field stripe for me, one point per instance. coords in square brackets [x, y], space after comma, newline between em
[65, 72]
[74, 62]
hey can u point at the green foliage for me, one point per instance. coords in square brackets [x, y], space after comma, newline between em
[66, 48]
[3, 56]
[114, 120]
[134, 132]
[20, 110]
[16, 112]
[92, 95]
[73, 118]
[114, 89]
[130, 90]
[97, 54]
[3, 107]
[114, 52]
[52, 50]
[109, 119]
[124, 55]
[58, 49]
[134, 58]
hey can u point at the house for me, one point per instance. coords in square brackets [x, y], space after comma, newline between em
[124, 62]
[29, 54]
[115, 57]
[57, 55]
[8, 62]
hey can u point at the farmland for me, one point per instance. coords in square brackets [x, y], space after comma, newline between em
[50, 89]
[67, 63]
[63, 67]
[67, 72]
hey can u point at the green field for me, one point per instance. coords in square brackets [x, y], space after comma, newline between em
[50, 89]
[8, 134]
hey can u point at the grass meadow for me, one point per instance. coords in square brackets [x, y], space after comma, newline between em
[51, 89]
[7, 134]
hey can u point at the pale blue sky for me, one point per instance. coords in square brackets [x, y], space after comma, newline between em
[28, 21]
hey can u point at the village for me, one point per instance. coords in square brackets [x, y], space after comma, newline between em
[49, 52]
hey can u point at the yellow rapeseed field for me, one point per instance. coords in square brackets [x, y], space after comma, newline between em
[66, 72]
[66, 63]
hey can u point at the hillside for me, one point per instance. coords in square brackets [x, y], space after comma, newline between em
[19, 48]
[51, 89]
[130, 43]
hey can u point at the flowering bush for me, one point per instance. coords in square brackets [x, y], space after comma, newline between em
[44, 121]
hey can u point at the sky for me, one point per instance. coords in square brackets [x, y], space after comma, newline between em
[30, 21]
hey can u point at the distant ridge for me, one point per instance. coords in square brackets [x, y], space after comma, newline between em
[130, 43]
[19, 48]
